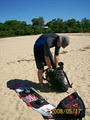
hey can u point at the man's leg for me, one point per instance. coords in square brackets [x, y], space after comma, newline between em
[39, 59]
[40, 74]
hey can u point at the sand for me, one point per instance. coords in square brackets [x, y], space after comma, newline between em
[17, 65]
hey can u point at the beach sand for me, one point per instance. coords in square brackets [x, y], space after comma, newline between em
[17, 65]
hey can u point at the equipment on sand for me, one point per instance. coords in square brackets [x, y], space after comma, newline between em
[57, 79]
[70, 107]
[32, 98]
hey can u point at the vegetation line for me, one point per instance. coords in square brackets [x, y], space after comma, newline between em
[18, 28]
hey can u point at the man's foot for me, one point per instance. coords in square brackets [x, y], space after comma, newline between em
[42, 88]
[41, 85]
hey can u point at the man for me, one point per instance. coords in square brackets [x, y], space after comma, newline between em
[42, 53]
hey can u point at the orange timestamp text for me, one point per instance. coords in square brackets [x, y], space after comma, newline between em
[65, 111]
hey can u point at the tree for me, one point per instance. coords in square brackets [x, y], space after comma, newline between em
[85, 25]
[38, 24]
[56, 25]
[38, 21]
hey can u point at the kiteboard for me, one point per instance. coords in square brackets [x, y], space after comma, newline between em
[35, 101]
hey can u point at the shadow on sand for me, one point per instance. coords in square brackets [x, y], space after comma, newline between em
[14, 82]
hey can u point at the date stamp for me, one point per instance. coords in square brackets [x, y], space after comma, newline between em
[65, 111]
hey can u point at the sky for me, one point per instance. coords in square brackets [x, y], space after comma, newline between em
[26, 10]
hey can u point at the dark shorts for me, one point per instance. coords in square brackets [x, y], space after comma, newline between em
[39, 57]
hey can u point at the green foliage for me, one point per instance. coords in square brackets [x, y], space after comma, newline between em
[69, 26]
[38, 21]
[18, 28]
[15, 28]
[56, 25]
[37, 24]
[85, 25]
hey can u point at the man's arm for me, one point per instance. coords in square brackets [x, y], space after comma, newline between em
[47, 54]
[48, 62]
[56, 56]
[56, 59]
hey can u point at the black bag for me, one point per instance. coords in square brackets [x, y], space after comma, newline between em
[57, 79]
[71, 107]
